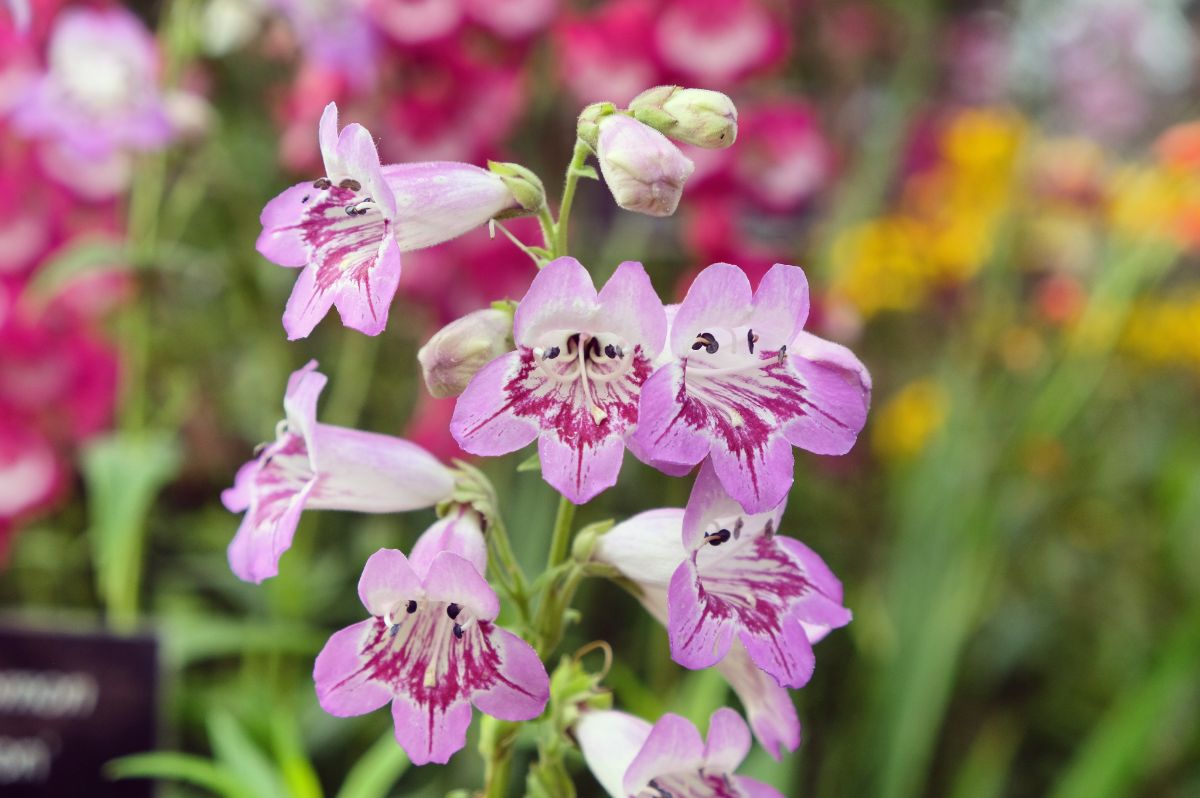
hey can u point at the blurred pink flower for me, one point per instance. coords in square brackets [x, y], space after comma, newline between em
[609, 53]
[337, 35]
[783, 158]
[714, 44]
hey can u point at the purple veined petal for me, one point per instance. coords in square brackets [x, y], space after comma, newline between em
[367, 291]
[577, 467]
[783, 652]
[281, 241]
[610, 740]
[561, 297]
[484, 422]
[700, 629]
[753, 788]
[780, 305]
[645, 548]
[388, 580]
[344, 688]
[757, 476]
[768, 706]
[358, 156]
[266, 532]
[459, 532]
[520, 687]
[300, 404]
[709, 503]
[440, 200]
[368, 472]
[629, 307]
[837, 391]
[306, 306]
[430, 733]
[821, 611]
[637, 448]
[672, 746]
[453, 580]
[663, 438]
[327, 137]
[719, 297]
[728, 741]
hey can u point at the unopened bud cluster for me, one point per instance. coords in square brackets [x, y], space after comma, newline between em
[643, 168]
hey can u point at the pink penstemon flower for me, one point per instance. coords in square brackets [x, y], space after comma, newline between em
[573, 382]
[319, 466]
[431, 647]
[629, 757]
[746, 384]
[347, 229]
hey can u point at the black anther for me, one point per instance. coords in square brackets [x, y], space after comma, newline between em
[707, 342]
[611, 351]
[751, 339]
[350, 183]
[412, 607]
[552, 352]
[453, 610]
[458, 631]
[322, 183]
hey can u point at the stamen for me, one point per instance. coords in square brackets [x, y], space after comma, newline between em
[717, 538]
[412, 607]
[351, 184]
[782, 353]
[458, 631]
[395, 628]
[598, 413]
[707, 342]
[453, 610]
[322, 183]
[611, 351]
[662, 791]
[751, 340]
[305, 198]
[552, 352]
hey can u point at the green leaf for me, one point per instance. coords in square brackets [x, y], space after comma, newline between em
[237, 752]
[298, 773]
[588, 172]
[186, 768]
[88, 255]
[189, 639]
[124, 473]
[379, 768]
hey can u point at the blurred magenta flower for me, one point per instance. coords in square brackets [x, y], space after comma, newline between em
[31, 476]
[739, 390]
[719, 43]
[431, 647]
[608, 55]
[644, 171]
[629, 757]
[322, 467]
[20, 12]
[347, 229]
[783, 159]
[336, 35]
[574, 380]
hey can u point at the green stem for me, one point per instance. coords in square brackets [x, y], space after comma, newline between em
[574, 172]
[497, 739]
[518, 588]
[561, 538]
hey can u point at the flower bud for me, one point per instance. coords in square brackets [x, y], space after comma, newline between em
[588, 126]
[460, 349]
[645, 172]
[526, 187]
[694, 116]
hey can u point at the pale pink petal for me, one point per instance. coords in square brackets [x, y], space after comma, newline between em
[609, 741]
[837, 390]
[768, 706]
[561, 297]
[579, 467]
[484, 422]
[780, 305]
[372, 473]
[756, 789]
[708, 502]
[327, 137]
[358, 156]
[783, 651]
[306, 306]
[344, 686]
[629, 307]
[265, 533]
[451, 579]
[757, 476]
[440, 200]
[728, 741]
[388, 580]
[672, 746]
[520, 687]
[237, 499]
[666, 436]
[459, 532]
[300, 403]
[700, 630]
[645, 548]
[719, 297]
[366, 292]
[282, 240]
[429, 733]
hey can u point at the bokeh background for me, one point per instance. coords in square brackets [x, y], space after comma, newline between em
[997, 205]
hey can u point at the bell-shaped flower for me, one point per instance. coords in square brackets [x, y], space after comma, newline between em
[322, 467]
[644, 170]
[348, 228]
[573, 381]
[430, 647]
[632, 759]
[746, 384]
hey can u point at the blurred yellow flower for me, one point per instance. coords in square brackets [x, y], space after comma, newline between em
[909, 420]
[1165, 332]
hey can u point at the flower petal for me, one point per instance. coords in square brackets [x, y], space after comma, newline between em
[672, 746]
[609, 741]
[700, 629]
[780, 305]
[663, 438]
[300, 403]
[728, 741]
[281, 240]
[753, 788]
[630, 308]
[783, 651]
[837, 391]
[459, 532]
[484, 422]
[453, 580]
[372, 473]
[344, 686]
[520, 686]
[646, 547]
[306, 306]
[388, 579]
[768, 706]
[266, 532]
[327, 137]
[358, 156]
[578, 467]
[720, 296]
[440, 200]
[428, 732]
[561, 297]
[367, 291]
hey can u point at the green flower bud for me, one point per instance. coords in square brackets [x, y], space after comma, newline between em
[526, 187]
[695, 116]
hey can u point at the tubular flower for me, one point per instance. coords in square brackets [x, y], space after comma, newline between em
[644, 170]
[431, 648]
[348, 228]
[322, 467]
[632, 759]
[574, 380]
[746, 384]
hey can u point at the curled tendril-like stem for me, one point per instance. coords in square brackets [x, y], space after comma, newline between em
[596, 645]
